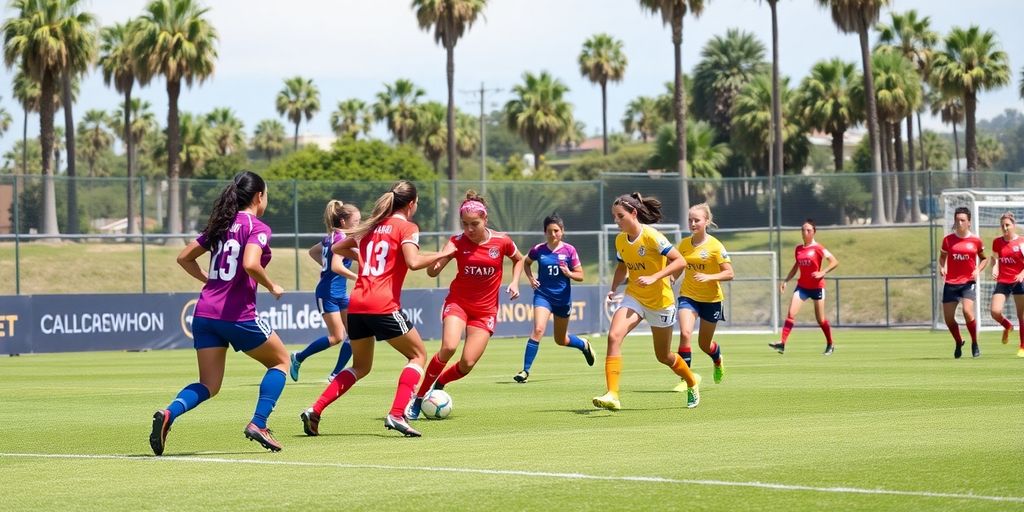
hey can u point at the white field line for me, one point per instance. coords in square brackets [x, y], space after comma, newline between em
[531, 474]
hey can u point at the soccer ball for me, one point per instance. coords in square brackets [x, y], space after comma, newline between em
[437, 405]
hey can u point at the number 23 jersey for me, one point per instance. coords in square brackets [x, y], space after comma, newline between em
[230, 293]
[382, 267]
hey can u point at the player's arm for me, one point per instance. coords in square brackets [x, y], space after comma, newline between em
[187, 260]
[528, 271]
[833, 262]
[993, 262]
[726, 274]
[676, 264]
[942, 263]
[981, 265]
[789, 276]
[518, 262]
[338, 267]
[617, 278]
[251, 264]
[346, 249]
[575, 274]
[316, 254]
[434, 262]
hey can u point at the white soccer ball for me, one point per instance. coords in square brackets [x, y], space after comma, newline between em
[437, 405]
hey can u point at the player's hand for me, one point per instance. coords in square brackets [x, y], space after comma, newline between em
[818, 275]
[942, 271]
[564, 268]
[1018, 279]
[534, 283]
[276, 291]
[782, 287]
[701, 277]
[612, 294]
[995, 275]
[645, 281]
[513, 291]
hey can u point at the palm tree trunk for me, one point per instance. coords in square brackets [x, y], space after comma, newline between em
[837, 150]
[878, 212]
[920, 144]
[883, 136]
[900, 178]
[129, 154]
[173, 158]
[46, 110]
[679, 107]
[971, 145]
[915, 206]
[604, 116]
[777, 156]
[295, 141]
[24, 143]
[69, 142]
[956, 147]
[453, 209]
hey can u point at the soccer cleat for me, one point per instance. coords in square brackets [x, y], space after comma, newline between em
[958, 351]
[399, 424]
[693, 394]
[158, 437]
[975, 350]
[263, 436]
[719, 372]
[588, 352]
[294, 368]
[1006, 334]
[522, 377]
[779, 347]
[412, 412]
[681, 387]
[1020, 352]
[829, 349]
[310, 422]
[607, 401]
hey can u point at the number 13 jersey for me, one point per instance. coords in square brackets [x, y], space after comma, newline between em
[230, 293]
[382, 267]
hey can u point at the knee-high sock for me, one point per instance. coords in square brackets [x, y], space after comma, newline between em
[532, 346]
[434, 369]
[410, 375]
[786, 329]
[576, 342]
[1020, 331]
[270, 390]
[344, 355]
[686, 355]
[680, 368]
[452, 374]
[972, 329]
[715, 353]
[188, 398]
[318, 345]
[827, 329]
[612, 371]
[342, 383]
[1005, 322]
[954, 329]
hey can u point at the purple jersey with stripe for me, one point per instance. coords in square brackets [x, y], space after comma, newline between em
[553, 283]
[230, 294]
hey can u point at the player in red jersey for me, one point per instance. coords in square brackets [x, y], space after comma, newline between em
[1008, 272]
[388, 247]
[472, 303]
[958, 264]
[809, 257]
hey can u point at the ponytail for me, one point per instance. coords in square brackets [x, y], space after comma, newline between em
[235, 197]
[401, 195]
[648, 209]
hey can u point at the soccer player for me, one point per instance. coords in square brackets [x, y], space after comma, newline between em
[647, 258]
[331, 291]
[809, 257]
[225, 314]
[958, 264]
[557, 266]
[471, 307]
[388, 247]
[1008, 272]
[707, 265]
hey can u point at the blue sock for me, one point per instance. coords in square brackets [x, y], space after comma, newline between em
[319, 345]
[343, 356]
[716, 353]
[687, 356]
[270, 391]
[577, 343]
[187, 399]
[532, 346]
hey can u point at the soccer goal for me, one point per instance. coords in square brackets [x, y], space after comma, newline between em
[986, 207]
[751, 299]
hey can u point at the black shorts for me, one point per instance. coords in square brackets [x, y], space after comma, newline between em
[1009, 288]
[958, 292]
[387, 326]
[810, 293]
[707, 311]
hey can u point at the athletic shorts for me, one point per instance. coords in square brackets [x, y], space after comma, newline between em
[242, 336]
[473, 318]
[809, 293]
[707, 311]
[331, 304]
[1009, 288]
[561, 311]
[958, 292]
[665, 317]
[386, 326]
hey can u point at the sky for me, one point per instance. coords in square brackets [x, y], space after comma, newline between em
[350, 48]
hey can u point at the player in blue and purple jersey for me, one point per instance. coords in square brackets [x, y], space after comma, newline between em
[557, 266]
[331, 292]
[239, 244]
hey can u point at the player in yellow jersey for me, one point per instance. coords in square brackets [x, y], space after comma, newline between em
[707, 265]
[647, 258]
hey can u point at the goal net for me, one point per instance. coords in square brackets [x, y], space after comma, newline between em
[986, 207]
[751, 299]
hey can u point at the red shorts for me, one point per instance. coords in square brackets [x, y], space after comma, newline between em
[473, 318]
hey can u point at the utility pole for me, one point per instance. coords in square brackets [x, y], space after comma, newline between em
[482, 92]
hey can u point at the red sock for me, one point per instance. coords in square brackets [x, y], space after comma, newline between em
[406, 383]
[1020, 332]
[434, 368]
[1005, 322]
[342, 383]
[972, 329]
[786, 328]
[452, 374]
[954, 329]
[827, 329]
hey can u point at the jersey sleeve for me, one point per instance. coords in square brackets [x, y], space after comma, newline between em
[533, 254]
[259, 235]
[722, 255]
[574, 258]
[663, 245]
[945, 245]
[411, 234]
[202, 240]
[825, 254]
[510, 246]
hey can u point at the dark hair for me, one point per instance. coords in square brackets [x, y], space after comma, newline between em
[810, 221]
[964, 210]
[235, 197]
[648, 209]
[402, 194]
[473, 195]
[553, 219]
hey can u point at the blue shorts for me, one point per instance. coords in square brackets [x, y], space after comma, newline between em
[707, 311]
[810, 293]
[242, 336]
[959, 292]
[331, 304]
[561, 311]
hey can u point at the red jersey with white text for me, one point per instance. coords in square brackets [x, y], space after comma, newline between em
[478, 280]
[1011, 260]
[961, 257]
[809, 259]
[382, 267]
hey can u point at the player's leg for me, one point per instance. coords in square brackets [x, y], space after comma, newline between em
[706, 340]
[950, 300]
[826, 328]
[335, 333]
[211, 374]
[687, 318]
[662, 336]
[971, 322]
[1018, 301]
[541, 313]
[476, 342]
[623, 321]
[273, 355]
[345, 352]
[411, 346]
[795, 303]
[452, 327]
[565, 339]
[362, 363]
[996, 310]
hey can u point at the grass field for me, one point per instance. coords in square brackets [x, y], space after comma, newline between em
[890, 422]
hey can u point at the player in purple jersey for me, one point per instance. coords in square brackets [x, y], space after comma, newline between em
[557, 266]
[331, 292]
[239, 244]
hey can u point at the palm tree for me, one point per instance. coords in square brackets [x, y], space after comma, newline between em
[197, 146]
[752, 120]
[949, 109]
[174, 39]
[26, 93]
[602, 60]
[118, 65]
[776, 166]
[642, 116]
[269, 138]
[727, 64]
[143, 123]
[672, 13]
[351, 118]
[226, 131]
[539, 112]
[1021, 83]
[299, 98]
[80, 41]
[396, 106]
[467, 135]
[431, 134]
[96, 139]
[990, 152]
[705, 155]
[574, 136]
[5, 120]
[970, 63]
[824, 102]
[858, 16]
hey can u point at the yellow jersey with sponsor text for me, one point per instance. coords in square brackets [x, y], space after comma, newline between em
[706, 258]
[645, 256]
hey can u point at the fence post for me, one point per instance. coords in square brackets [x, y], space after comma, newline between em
[838, 321]
[295, 227]
[142, 225]
[931, 250]
[886, 280]
[17, 242]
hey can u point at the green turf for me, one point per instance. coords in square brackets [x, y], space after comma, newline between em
[890, 410]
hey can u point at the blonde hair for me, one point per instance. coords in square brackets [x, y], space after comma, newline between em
[704, 207]
[336, 212]
[1008, 215]
[402, 194]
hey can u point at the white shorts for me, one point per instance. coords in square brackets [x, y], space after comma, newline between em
[665, 317]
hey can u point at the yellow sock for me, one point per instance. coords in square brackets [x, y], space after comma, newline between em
[682, 370]
[612, 370]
